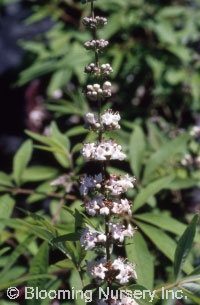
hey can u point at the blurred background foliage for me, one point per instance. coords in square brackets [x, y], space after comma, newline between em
[155, 53]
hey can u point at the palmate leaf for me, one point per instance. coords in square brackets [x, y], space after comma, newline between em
[184, 246]
[138, 253]
[21, 159]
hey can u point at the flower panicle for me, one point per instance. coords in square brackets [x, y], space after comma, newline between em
[103, 194]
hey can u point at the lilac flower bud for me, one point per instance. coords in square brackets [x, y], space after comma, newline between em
[94, 23]
[99, 44]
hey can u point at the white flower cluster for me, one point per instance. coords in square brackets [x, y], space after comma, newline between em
[190, 160]
[109, 121]
[89, 183]
[100, 270]
[119, 232]
[102, 206]
[97, 269]
[126, 270]
[95, 92]
[103, 70]
[117, 185]
[125, 300]
[95, 23]
[105, 150]
[102, 192]
[195, 132]
[97, 45]
[187, 160]
[89, 240]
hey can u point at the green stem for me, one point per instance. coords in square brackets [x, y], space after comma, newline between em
[107, 218]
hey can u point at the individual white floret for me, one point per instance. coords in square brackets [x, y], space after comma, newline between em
[126, 270]
[121, 206]
[119, 232]
[91, 239]
[195, 132]
[88, 239]
[107, 85]
[93, 206]
[119, 185]
[125, 300]
[91, 118]
[197, 161]
[97, 270]
[89, 183]
[110, 119]
[88, 151]
[187, 160]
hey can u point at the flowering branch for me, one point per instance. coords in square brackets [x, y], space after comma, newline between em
[102, 192]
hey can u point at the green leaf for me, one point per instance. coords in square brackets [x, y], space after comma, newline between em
[164, 154]
[21, 160]
[67, 237]
[39, 265]
[163, 242]
[146, 300]
[179, 184]
[41, 192]
[21, 248]
[64, 264]
[6, 208]
[39, 173]
[4, 250]
[195, 271]
[37, 230]
[57, 143]
[184, 246]
[25, 279]
[192, 290]
[190, 278]
[138, 253]
[149, 191]
[5, 179]
[137, 149]
[60, 139]
[76, 131]
[76, 282]
[165, 222]
[39, 138]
